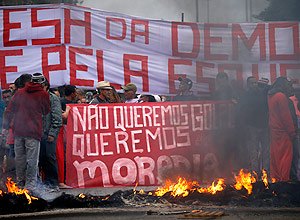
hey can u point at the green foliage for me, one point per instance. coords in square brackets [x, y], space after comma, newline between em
[281, 10]
[37, 2]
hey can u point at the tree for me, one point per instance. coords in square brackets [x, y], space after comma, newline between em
[279, 10]
[36, 2]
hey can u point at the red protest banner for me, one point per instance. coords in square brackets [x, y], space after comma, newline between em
[125, 144]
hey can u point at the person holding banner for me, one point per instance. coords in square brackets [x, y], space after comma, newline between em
[80, 96]
[130, 93]
[104, 90]
[26, 109]
[146, 98]
[114, 97]
[69, 98]
[223, 90]
[184, 90]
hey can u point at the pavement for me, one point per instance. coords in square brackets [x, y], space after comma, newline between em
[154, 211]
[141, 213]
[103, 191]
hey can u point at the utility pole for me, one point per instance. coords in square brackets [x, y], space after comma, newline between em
[197, 10]
[247, 11]
[182, 17]
[250, 10]
[207, 10]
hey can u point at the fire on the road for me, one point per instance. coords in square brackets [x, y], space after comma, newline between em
[184, 187]
[244, 180]
[213, 189]
[180, 188]
[13, 188]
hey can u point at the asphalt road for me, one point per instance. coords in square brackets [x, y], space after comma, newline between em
[156, 211]
[140, 213]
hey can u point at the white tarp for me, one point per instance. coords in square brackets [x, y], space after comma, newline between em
[81, 46]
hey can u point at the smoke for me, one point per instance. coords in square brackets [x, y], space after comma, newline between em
[44, 192]
[151, 9]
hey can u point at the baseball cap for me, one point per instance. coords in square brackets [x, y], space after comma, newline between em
[129, 87]
[103, 85]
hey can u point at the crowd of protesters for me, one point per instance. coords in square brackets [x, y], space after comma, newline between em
[33, 143]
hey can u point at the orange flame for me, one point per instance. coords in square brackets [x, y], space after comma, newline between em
[134, 189]
[212, 188]
[106, 198]
[184, 187]
[273, 180]
[264, 178]
[0, 192]
[13, 188]
[141, 191]
[181, 188]
[244, 179]
[81, 195]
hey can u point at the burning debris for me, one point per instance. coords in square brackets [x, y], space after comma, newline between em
[247, 190]
[12, 188]
[244, 180]
[183, 187]
[213, 189]
[17, 200]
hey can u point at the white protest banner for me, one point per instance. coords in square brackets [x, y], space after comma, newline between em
[81, 46]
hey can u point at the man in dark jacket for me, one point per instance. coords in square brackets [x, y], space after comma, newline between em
[51, 126]
[184, 90]
[26, 109]
[223, 90]
[253, 112]
[103, 89]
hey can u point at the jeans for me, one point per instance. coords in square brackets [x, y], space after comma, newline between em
[48, 162]
[27, 152]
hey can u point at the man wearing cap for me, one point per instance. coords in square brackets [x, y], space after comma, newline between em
[130, 93]
[103, 89]
[184, 90]
[26, 109]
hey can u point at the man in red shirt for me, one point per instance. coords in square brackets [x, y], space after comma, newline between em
[26, 109]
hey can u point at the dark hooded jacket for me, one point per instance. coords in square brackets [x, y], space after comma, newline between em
[26, 109]
[52, 121]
